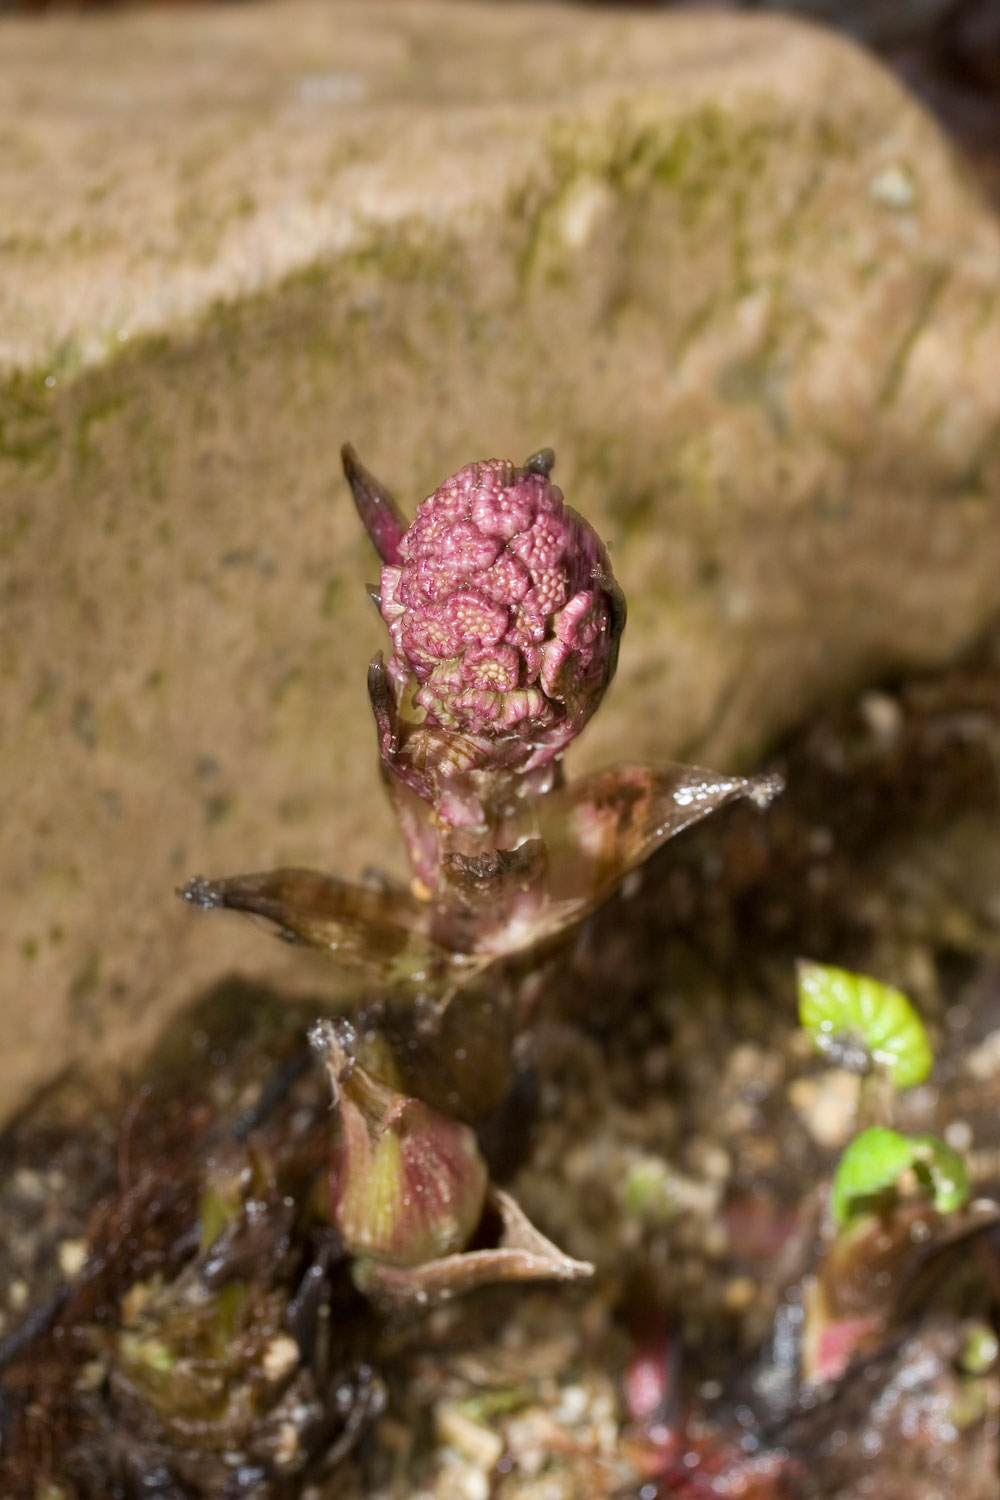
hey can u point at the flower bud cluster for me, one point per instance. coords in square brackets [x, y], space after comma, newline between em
[498, 608]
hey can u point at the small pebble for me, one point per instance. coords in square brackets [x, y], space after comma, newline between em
[280, 1357]
[828, 1104]
[983, 1062]
[29, 1185]
[883, 717]
[958, 1134]
[286, 1447]
[739, 1294]
[573, 1403]
[893, 187]
[470, 1438]
[72, 1257]
[711, 1161]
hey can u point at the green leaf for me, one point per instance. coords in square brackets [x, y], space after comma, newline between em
[943, 1170]
[835, 1004]
[874, 1162]
[871, 1164]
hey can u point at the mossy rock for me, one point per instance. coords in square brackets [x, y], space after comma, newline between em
[721, 263]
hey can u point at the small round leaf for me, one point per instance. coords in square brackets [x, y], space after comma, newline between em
[835, 1005]
[876, 1159]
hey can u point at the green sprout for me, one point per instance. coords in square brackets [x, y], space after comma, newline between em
[836, 1005]
[876, 1160]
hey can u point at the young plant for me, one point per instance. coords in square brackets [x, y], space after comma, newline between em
[880, 1167]
[894, 1198]
[847, 1013]
[505, 621]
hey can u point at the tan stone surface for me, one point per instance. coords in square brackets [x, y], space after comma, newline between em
[720, 263]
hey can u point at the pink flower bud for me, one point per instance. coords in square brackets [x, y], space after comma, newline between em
[503, 612]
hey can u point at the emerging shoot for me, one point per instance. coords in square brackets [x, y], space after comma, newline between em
[839, 1009]
[877, 1164]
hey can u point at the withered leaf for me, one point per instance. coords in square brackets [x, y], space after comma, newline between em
[385, 934]
[521, 1253]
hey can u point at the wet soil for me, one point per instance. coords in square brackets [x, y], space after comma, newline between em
[179, 1320]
